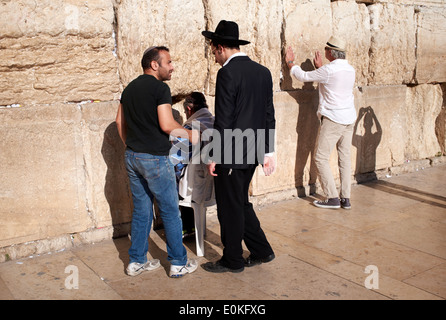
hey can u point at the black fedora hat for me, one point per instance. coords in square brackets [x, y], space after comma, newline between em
[226, 32]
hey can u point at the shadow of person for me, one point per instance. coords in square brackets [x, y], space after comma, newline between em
[307, 129]
[366, 144]
[117, 189]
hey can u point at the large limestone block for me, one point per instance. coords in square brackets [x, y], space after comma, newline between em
[392, 51]
[176, 24]
[107, 188]
[297, 130]
[308, 26]
[431, 44]
[57, 51]
[351, 22]
[397, 126]
[29, 18]
[260, 22]
[297, 127]
[380, 128]
[424, 104]
[42, 184]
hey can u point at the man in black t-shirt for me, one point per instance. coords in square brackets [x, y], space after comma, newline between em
[145, 121]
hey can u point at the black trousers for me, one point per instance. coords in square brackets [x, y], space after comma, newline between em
[238, 220]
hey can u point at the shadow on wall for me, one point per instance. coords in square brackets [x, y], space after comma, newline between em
[116, 189]
[366, 144]
[307, 128]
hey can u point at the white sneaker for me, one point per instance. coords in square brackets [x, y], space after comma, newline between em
[179, 271]
[136, 268]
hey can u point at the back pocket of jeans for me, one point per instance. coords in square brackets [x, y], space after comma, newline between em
[148, 168]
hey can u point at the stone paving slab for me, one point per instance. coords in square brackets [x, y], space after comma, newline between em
[397, 226]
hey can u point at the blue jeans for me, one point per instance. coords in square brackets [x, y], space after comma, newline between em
[153, 177]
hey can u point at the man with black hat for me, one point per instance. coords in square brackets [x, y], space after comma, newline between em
[243, 104]
[337, 114]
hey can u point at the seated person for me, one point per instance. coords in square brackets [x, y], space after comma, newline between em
[195, 185]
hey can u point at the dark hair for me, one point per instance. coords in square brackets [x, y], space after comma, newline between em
[227, 44]
[152, 54]
[195, 101]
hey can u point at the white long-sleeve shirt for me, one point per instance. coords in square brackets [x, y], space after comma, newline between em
[336, 81]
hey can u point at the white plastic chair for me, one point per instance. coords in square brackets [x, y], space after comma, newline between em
[199, 220]
[200, 226]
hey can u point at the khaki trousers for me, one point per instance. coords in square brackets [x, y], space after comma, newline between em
[334, 134]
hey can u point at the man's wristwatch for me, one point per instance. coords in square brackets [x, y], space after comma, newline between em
[289, 62]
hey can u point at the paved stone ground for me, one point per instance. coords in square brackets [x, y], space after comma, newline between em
[393, 241]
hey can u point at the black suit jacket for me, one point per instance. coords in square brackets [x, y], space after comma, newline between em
[244, 113]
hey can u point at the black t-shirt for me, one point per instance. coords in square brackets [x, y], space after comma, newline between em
[140, 101]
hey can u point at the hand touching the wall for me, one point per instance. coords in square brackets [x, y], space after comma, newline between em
[318, 60]
[289, 57]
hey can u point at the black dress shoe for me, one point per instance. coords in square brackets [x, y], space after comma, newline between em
[218, 267]
[253, 261]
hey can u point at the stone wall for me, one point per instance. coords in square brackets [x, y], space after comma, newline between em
[64, 64]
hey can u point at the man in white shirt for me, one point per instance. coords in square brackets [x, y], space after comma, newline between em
[337, 114]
